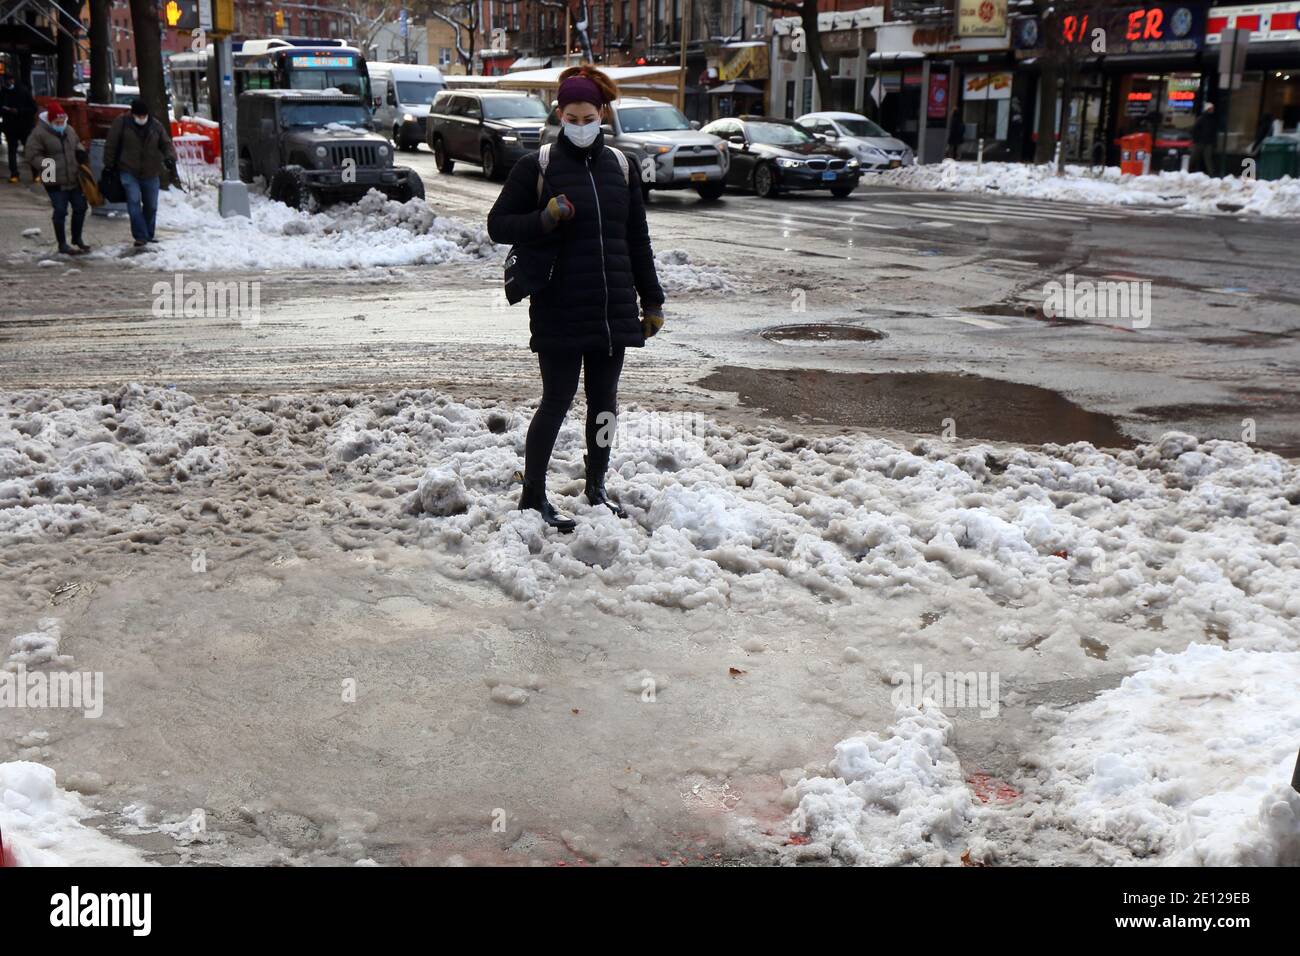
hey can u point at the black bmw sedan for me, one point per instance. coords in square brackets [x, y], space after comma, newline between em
[771, 155]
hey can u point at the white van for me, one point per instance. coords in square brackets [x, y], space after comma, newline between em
[403, 92]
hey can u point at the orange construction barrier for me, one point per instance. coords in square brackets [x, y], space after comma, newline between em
[1135, 154]
[205, 128]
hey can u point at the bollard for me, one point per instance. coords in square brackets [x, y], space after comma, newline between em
[1185, 163]
[979, 156]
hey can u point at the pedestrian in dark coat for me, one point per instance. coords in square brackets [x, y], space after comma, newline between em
[589, 223]
[17, 115]
[140, 149]
[1205, 135]
[956, 133]
[54, 154]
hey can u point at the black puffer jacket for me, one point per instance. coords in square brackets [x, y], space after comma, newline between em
[603, 260]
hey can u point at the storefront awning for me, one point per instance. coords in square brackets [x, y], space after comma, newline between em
[734, 88]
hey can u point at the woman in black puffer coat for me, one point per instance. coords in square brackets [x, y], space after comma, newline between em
[587, 229]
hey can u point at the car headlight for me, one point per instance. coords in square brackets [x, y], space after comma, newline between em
[509, 139]
[383, 150]
[872, 154]
[852, 164]
[408, 118]
[656, 149]
[321, 152]
[789, 163]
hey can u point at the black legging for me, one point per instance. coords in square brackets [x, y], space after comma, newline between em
[559, 385]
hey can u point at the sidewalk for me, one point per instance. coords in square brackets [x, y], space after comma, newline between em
[25, 206]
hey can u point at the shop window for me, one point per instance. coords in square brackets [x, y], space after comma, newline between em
[1282, 97]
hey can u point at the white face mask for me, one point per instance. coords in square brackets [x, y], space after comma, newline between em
[582, 136]
[140, 120]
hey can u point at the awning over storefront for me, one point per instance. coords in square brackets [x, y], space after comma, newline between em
[735, 89]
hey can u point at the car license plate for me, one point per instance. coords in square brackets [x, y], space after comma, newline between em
[828, 176]
[895, 163]
[699, 177]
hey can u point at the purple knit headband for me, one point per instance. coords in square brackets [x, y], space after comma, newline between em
[579, 89]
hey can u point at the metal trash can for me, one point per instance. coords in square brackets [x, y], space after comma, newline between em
[1279, 156]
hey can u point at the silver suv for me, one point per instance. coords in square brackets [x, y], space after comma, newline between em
[669, 151]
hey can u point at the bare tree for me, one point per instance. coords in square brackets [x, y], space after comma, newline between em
[148, 56]
[101, 51]
[810, 31]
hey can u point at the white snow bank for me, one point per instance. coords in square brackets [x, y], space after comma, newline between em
[1187, 192]
[1188, 762]
[678, 274]
[373, 232]
[61, 454]
[37, 647]
[886, 800]
[41, 823]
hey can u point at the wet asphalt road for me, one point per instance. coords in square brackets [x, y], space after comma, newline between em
[950, 283]
[956, 282]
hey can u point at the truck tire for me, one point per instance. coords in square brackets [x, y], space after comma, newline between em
[413, 189]
[287, 187]
[491, 168]
[711, 191]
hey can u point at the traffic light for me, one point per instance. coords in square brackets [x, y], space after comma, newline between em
[182, 14]
[279, 19]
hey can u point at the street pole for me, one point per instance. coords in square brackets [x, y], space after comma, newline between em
[681, 74]
[232, 200]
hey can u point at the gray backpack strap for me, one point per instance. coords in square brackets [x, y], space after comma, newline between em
[622, 163]
[543, 160]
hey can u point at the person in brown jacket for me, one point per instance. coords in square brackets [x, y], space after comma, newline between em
[54, 152]
[140, 149]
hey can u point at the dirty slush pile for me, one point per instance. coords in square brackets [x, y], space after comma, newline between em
[1068, 557]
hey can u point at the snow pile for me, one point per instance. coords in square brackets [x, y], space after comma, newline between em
[678, 275]
[886, 800]
[1187, 192]
[1188, 762]
[373, 232]
[37, 647]
[59, 455]
[41, 823]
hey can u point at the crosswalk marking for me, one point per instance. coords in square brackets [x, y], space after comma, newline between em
[915, 212]
[1016, 213]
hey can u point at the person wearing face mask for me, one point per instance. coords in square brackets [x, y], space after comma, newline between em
[140, 149]
[583, 218]
[53, 152]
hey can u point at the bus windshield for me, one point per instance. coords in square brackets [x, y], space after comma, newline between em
[327, 71]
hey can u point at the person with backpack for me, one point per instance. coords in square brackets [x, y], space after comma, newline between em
[138, 150]
[54, 154]
[576, 218]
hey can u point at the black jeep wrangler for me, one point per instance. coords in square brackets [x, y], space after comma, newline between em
[310, 144]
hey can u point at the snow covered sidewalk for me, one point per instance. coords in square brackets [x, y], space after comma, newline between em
[1177, 562]
[1184, 192]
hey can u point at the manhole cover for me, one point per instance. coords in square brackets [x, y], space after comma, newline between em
[816, 333]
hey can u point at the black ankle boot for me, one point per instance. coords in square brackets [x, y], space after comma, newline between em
[595, 490]
[534, 499]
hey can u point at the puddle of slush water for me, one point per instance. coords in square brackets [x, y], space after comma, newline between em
[982, 408]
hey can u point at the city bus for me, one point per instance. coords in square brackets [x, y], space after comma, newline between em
[270, 64]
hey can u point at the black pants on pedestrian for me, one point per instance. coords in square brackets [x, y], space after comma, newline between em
[559, 385]
[61, 199]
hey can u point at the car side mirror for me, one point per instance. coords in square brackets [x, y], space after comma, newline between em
[607, 129]
[736, 139]
[695, 124]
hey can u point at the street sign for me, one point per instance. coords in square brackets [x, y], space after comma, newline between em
[402, 25]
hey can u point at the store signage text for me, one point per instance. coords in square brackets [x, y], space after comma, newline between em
[1265, 21]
